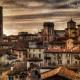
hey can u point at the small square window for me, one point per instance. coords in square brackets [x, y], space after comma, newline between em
[33, 50]
[29, 55]
[39, 50]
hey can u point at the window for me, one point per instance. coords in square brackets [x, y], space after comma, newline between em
[0, 73]
[26, 55]
[68, 55]
[33, 50]
[33, 55]
[79, 62]
[29, 55]
[39, 50]
[29, 50]
[59, 61]
[75, 62]
[45, 38]
[19, 55]
[39, 55]
[59, 56]
[68, 61]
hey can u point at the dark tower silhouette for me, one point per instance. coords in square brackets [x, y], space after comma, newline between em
[50, 27]
[71, 24]
[48, 32]
[1, 23]
[71, 30]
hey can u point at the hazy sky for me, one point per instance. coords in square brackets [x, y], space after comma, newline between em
[29, 15]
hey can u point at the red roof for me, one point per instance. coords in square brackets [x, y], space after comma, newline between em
[61, 70]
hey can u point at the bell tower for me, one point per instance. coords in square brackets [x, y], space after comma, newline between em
[71, 30]
[48, 32]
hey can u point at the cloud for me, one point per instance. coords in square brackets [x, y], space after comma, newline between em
[44, 15]
[29, 15]
[38, 3]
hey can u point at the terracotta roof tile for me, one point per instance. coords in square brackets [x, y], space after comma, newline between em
[61, 70]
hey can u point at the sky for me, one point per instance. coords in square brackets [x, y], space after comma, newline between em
[29, 15]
